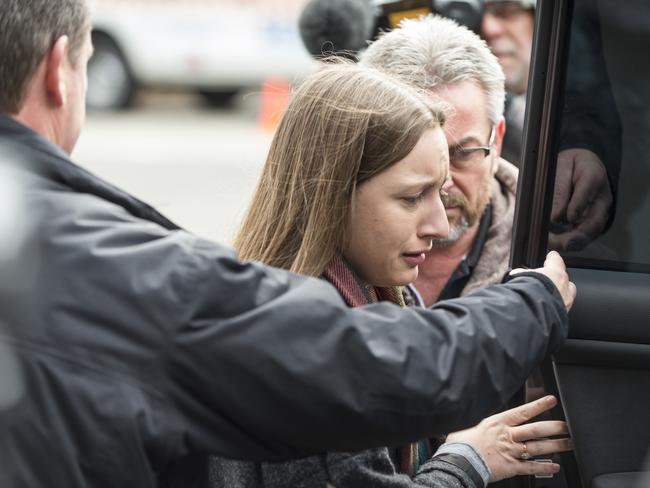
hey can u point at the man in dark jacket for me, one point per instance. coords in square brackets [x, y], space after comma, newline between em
[143, 347]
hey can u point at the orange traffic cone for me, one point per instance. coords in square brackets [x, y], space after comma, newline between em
[275, 97]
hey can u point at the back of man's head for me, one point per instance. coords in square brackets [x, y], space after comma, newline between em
[432, 52]
[28, 29]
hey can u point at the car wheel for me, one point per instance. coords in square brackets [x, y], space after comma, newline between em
[220, 98]
[110, 83]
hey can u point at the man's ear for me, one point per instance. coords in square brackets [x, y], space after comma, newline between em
[498, 136]
[55, 66]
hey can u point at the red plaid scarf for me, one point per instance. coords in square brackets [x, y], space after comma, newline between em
[356, 293]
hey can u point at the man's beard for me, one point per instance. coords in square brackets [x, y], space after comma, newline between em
[468, 215]
[456, 231]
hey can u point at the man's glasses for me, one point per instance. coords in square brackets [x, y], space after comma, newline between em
[463, 158]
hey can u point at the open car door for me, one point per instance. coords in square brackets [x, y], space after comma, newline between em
[588, 117]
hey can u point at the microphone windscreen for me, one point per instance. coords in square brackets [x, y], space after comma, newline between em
[336, 26]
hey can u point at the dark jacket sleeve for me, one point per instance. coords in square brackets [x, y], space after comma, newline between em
[267, 365]
[151, 345]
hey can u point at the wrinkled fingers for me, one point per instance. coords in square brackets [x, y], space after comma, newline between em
[535, 430]
[523, 413]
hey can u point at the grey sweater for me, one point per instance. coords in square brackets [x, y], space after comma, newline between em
[366, 469]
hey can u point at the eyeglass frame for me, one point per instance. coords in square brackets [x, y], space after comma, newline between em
[467, 150]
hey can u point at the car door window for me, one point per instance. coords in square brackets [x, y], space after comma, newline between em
[590, 94]
[605, 117]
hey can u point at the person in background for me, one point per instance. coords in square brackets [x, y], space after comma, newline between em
[507, 27]
[145, 348]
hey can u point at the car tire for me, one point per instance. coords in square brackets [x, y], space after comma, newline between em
[110, 82]
[224, 98]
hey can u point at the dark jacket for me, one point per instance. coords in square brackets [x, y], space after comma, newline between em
[144, 347]
[372, 468]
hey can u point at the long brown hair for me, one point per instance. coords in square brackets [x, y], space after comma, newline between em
[343, 125]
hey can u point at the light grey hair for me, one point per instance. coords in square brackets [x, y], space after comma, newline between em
[433, 51]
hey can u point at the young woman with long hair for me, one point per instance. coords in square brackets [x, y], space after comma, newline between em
[350, 192]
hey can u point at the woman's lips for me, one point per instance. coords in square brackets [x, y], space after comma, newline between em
[414, 259]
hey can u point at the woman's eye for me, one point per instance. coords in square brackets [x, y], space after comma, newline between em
[411, 200]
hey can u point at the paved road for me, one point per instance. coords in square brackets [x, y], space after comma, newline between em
[197, 166]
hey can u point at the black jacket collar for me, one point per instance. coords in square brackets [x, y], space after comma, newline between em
[43, 157]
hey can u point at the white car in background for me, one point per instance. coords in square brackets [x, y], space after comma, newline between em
[215, 47]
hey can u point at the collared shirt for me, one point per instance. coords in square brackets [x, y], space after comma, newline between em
[463, 271]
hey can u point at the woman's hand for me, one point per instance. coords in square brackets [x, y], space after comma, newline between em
[507, 446]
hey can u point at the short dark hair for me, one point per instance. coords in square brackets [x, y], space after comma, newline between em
[28, 30]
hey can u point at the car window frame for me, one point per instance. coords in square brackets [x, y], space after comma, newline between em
[540, 144]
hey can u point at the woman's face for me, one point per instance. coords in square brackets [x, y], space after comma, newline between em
[396, 213]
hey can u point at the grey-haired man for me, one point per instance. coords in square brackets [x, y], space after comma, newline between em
[454, 64]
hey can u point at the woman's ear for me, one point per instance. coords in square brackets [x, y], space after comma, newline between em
[56, 66]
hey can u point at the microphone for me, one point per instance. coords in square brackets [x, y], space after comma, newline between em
[340, 27]
[344, 27]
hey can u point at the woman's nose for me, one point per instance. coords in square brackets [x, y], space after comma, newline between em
[448, 184]
[435, 224]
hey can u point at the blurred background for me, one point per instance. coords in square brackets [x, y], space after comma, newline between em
[183, 98]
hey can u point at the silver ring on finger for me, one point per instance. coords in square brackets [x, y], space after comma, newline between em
[525, 455]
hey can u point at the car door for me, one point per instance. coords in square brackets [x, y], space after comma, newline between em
[590, 90]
